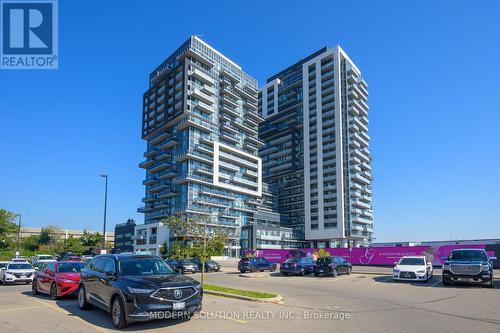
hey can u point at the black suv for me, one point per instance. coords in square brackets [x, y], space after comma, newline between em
[137, 288]
[468, 266]
[332, 266]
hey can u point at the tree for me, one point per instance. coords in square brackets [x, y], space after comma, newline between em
[31, 243]
[73, 245]
[193, 229]
[164, 249]
[50, 235]
[90, 239]
[8, 229]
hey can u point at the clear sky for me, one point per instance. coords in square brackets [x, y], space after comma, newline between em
[432, 69]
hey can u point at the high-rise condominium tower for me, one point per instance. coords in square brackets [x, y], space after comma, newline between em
[200, 120]
[317, 148]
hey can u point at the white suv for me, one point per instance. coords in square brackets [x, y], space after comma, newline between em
[17, 272]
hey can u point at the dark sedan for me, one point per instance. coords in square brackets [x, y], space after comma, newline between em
[210, 265]
[297, 266]
[183, 265]
[332, 266]
[255, 264]
[137, 288]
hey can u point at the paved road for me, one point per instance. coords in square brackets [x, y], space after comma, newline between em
[352, 303]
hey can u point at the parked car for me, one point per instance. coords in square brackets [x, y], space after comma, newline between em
[332, 266]
[137, 288]
[57, 278]
[470, 266]
[210, 265]
[297, 266]
[3, 264]
[71, 258]
[19, 259]
[252, 264]
[16, 271]
[183, 265]
[413, 268]
[41, 258]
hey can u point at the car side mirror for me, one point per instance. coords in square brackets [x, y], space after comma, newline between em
[395, 263]
[493, 258]
[109, 273]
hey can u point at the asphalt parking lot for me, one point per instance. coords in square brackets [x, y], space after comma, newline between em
[357, 302]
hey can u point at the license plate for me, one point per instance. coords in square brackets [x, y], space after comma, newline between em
[179, 306]
[23, 276]
[321, 270]
[465, 279]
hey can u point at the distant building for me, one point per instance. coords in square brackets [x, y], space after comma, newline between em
[64, 233]
[150, 237]
[124, 233]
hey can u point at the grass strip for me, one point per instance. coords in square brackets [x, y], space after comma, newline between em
[241, 292]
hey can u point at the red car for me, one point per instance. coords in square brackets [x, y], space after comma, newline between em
[57, 278]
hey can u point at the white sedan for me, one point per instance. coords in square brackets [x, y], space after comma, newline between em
[416, 268]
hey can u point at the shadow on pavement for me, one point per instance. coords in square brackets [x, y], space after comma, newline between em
[434, 282]
[101, 318]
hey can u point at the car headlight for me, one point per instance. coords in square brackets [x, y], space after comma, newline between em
[198, 286]
[139, 290]
[446, 266]
[9, 273]
[420, 272]
[485, 267]
[67, 281]
[395, 270]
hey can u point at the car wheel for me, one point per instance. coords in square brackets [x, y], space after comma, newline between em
[254, 269]
[242, 271]
[349, 270]
[34, 288]
[273, 268]
[491, 284]
[316, 274]
[82, 299]
[302, 272]
[285, 274]
[427, 278]
[335, 272]
[53, 291]
[445, 283]
[182, 271]
[118, 313]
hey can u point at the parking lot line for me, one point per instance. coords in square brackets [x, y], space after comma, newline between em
[97, 328]
[432, 285]
[22, 309]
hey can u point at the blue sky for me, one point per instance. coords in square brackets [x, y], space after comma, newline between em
[432, 69]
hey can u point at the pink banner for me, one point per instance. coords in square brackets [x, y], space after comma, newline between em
[383, 256]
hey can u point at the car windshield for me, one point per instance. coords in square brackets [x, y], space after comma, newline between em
[45, 257]
[467, 255]
[144, 266]
[412, 261]
[186, 261]
[20, 266]
[70, 267]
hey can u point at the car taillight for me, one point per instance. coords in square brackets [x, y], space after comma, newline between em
[293, 265]
[330, 265]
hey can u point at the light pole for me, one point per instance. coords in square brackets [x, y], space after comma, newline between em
[18, 233]
[105, 176]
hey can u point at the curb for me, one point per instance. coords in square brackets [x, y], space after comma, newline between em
[278, 299]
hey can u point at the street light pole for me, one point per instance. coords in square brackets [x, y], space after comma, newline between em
[105, 176]
[18, 232]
